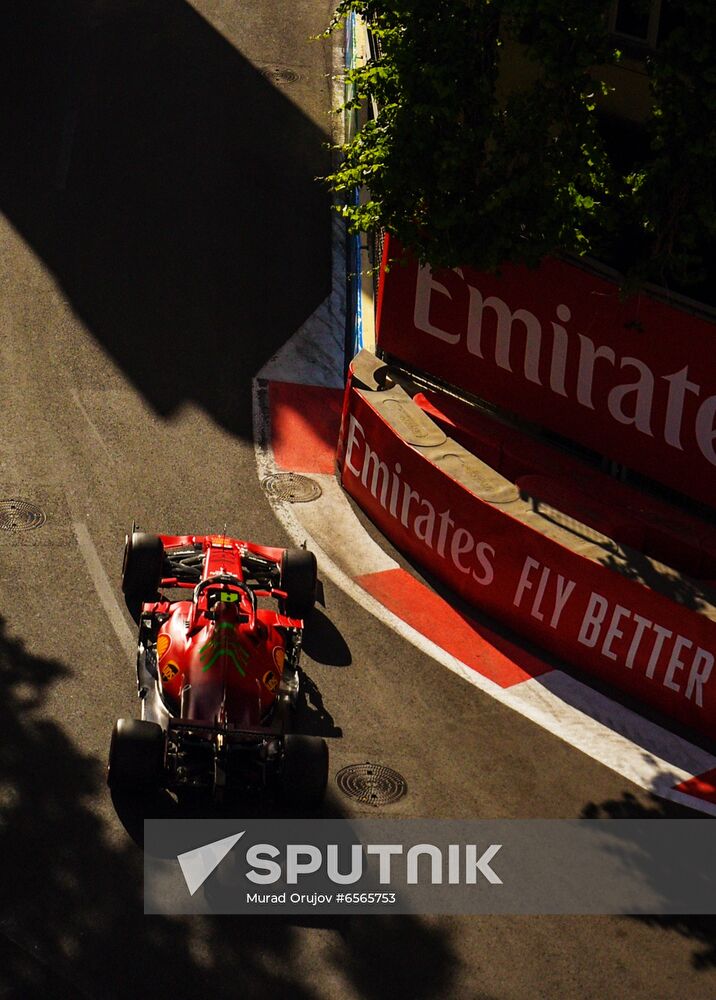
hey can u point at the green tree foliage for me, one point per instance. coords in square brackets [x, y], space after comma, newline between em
[463, 170]
[674, 191]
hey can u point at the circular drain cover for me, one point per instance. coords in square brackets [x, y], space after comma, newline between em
[20, 515]
[292, 487]
[372, 784]
[280, 74]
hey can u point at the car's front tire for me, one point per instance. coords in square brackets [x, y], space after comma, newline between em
[304, 770]
[142, 566]
[136, 755]
[299, 579]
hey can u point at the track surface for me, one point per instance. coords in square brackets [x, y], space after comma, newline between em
[162, 237]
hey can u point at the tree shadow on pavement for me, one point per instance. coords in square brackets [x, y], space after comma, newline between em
[700, 929]
[634, 565]
[71, 920]
[171, 189]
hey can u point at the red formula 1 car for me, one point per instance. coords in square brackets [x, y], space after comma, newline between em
[218, 674]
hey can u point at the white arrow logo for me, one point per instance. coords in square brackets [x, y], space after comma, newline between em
[197, 865]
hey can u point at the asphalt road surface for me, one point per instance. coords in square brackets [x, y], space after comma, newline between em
[163, 235]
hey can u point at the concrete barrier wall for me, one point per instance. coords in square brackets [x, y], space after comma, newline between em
[580, 596]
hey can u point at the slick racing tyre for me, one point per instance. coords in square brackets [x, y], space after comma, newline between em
[142, 567]
[304, 773]
[136, 755]
[299, 579]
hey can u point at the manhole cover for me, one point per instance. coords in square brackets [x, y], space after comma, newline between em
[292, 487]
[279, 74]
[372, 784]
[20, 515]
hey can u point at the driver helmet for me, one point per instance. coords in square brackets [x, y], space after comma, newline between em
[226, 602]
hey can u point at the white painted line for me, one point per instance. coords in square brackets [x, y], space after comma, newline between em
[604, 730]
[630, 728]
[104, 590]
[90, 423]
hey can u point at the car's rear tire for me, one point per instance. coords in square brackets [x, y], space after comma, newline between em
[299, 579]
[304, 771]
[142, 566]
[136, 755]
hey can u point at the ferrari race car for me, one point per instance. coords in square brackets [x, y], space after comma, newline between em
[217, 671]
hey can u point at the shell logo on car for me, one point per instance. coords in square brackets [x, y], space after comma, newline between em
[270, 680]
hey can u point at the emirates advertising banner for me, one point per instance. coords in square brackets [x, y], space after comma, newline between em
[584, 612]
[634, 380]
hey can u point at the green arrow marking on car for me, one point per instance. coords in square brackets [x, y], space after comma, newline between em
[217, 647]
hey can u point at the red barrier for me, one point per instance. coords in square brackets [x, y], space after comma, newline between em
[584, 612]
[633, 517]
[634, 380]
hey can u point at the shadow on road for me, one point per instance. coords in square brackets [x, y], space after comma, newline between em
[71, 921]
[324, 643]
[700, 930]
[312, 717]
[170, 188]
